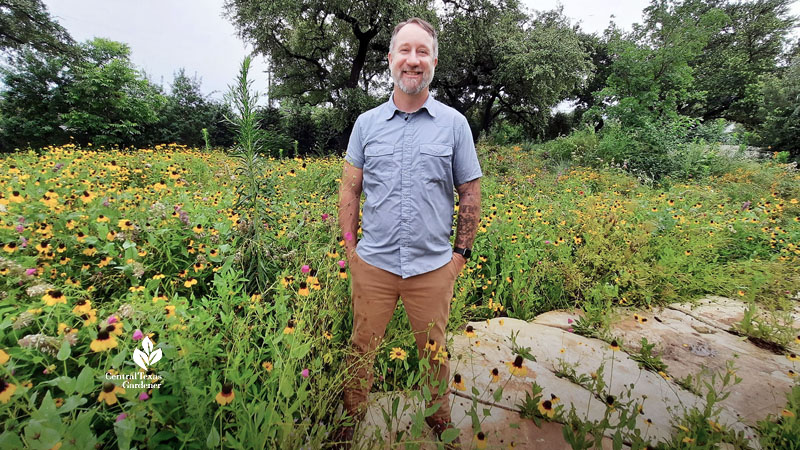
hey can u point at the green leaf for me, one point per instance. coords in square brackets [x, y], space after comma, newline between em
[426, 393]
[212, 440]
[487, 412]
[498, 394]
[124, 430]
[71, 403]
[475, 391]
[65, 351]
[10, 441]
[450, 434]
[85, 382]
[432, 409]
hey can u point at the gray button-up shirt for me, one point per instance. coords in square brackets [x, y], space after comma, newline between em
[411, 164]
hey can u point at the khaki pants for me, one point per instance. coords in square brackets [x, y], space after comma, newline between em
[426, 299]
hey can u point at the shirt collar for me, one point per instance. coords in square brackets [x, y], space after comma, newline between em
[391, 108]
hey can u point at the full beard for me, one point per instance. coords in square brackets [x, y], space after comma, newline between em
[411, 88]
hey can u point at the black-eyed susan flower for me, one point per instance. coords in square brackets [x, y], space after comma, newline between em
[342, 273]
[546, 408]
[10, 247]
[267, 365]
[480, 440]
[111, 235]
[458, 382]
[83, 306]
[787, 413]
[430, 345]
[226, 395]
[109, 393]
[716, 427]
[89, 317]
[469, 331]
[614, 346]
[517, 368]
[687, 440]
[792, 357]
[102, 219]
[198, 228]
[105, 341]
[327, 335]
[303, 289]
[53, 296]
[190, 282]
[290, 327]
[610, 401]
[286, 281]
[397, 353]
[169, 311]
[160, 298]
[3, 357]
[6, 390]
[441, 355]
[159, 276]
[495, 375]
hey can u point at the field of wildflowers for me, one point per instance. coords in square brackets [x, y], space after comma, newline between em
[126, 319]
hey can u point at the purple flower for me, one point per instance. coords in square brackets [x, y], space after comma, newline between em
[546, 242]
[121, 417]
[305, 269]
[19, 228]
[569, 320]
[143, 396]
[137, 335]
[30, 271]
[24, 241]
[112, 319]
[304, 373]
[570, 330]
[342, 263]
[325, 216]
[106, 202]
[348, 236]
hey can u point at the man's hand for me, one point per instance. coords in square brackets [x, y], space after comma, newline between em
[459, 261]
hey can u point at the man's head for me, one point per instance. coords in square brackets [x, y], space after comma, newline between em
[413, 55]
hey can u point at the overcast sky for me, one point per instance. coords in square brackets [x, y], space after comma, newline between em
[165, 35]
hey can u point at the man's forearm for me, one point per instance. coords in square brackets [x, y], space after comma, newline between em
[469, 213]
[348, 217]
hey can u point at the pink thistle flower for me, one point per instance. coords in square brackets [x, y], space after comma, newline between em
[305, 269]
[138, 335]
[570, 320]
[30, 271]
[325, 216]
[121, 417]
[304, 373]
[112, 319]
[348, 236]
[570, 330]
[546, 242]
[143, 396]
[24, 241]
[19, 228]
[342, 263]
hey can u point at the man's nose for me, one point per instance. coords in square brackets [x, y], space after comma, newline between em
[412, 58]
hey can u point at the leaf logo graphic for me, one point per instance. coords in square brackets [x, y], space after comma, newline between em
[148, 357]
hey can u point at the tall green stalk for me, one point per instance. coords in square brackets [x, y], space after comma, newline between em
[253, 188]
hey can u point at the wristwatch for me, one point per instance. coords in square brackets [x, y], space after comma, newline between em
[465, 252]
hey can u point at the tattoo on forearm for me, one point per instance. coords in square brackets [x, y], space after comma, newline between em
[469, 217]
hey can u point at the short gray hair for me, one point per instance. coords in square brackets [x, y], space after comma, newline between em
[425, 25]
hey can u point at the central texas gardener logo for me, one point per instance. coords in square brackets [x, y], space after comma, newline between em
[148, 357]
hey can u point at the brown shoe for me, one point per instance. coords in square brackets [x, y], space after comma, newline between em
[342, 437]
[439, 426]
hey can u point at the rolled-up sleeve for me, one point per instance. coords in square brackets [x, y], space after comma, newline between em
[465, 159]
[355, 148]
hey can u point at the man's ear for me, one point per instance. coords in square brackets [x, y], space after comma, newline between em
[390, 58]
[435, 61]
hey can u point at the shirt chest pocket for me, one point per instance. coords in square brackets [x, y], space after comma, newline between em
[436, 162]
[379, 160]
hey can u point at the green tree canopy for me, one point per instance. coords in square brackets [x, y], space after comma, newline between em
[27, 23]
[498, 62]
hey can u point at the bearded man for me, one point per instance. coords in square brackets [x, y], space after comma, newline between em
[406, 156]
